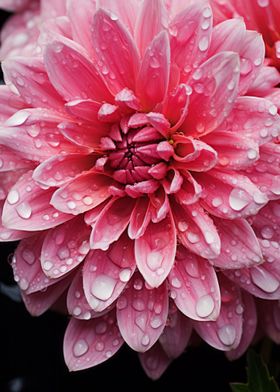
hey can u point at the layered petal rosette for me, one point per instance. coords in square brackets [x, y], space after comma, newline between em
[134, 162]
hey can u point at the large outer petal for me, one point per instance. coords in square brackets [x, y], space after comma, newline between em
[88, 343]
[154, 361]
[27, 207]
[195, 297]
[142, 313]
[9, 103]
[155, 251]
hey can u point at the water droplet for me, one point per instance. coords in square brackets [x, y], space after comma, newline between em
[138, 304]
[207, 12]
[77, 311]
[154, 260]
[203, 44]
[252, 154]
[13, 196]
[47, 265]
[267, 232]
[23, 284]
[272, 110]
[182, 226]
[192, 269]
[138, 284]
[28, 256]
[193, 238]
[216, 202]
[103, 287]
[24, 210]
[99, 346]
[204, 306]
[125, 275]
[80, 348]
[176, 283]
[156, 322]
[264, 280]
[145, 340]
[18, 118]
[209, 237]
[238, 199]
[154, 63]
[71, 205]
[263, 3]
[227, 334]
[87, 200]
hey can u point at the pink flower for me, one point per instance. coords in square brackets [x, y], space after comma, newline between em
[134, 161]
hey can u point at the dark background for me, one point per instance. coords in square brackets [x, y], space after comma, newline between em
[31, 358]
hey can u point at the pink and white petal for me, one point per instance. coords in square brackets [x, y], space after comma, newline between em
[103, 280]
[140, 218]
[225, 332]
[85, 109]
[176, 333]
[28, 207]
[112, 222]
[249, 314]
[190, 191]
[229, 195]
[176, 105]
[32, 82]
[196, 230]
[82, 16]
[65, 247]
[212, 100]
[72, 74]
[26, 265]
[159, 204]
[154, 361]
[190, 35]
[10, 160]
[240, 247]
[266, 223]
[269, 316]
[9, 103]
[58, 170]
[155, 251]
[267, 78]
[37, 303]
[151, 21]
[203, 295]
[153, 77]
[120, 57]
[89, 343]
[142, 313]
[259, 281]
[255, 118]
[7, 181]
[235, 152]
[84, 137]
[81, 194]
[127, 11]
[34, 133]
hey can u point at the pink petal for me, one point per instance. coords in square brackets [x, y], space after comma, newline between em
[103, 280]
[240, 247]
[85, 137]
[65, 247]
[34, 133]
[77, 304]
[37, 303]
[269, 317]
[71, 72]
[190, 33]
[9, 103]
[155, 251]
[255, 118]
[85, 109]
[112, 222]
[151, 20]
[249, 314]
[89, 343]
[212, 100]
[59, 169]
[154, 361]
[32, 82]
[196, 230]
[12, 161]
[176, 334]
[82, 193]
[203, 295]
[176, 106]
[120, 58]
[235, 152]
[190, 191]
[225, 332]
[28, 207]
[230, 195]
[159, 205]
[140, 218]
[142, 313]
[153, 78]
[267, 221]
[27, 268]
[267, 78]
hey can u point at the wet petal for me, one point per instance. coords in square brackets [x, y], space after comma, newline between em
[154, 361]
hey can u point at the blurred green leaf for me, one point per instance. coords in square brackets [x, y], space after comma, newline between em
[259, 379]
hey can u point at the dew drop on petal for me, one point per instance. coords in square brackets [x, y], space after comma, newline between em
[24, 210]
[80, 348]
[264, 280]
[154, 260]
[125, 275]
[238, 199]
[103, 287]
[145, 340]
[204, 306]
[47, 265]
[13, 197]
[227, 334]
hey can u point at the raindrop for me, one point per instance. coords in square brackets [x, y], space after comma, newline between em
[267, 232]
[71, 205]
[138, 304]
[238, 199]
[47, 265]
[192, 269]
[18, 118]
[217, 202]
[264, 280]
[182, 226]
[203, 44]
[80, 348]
[154, 63]
[176, 283]
[23, 284]
[77, 311]
[193, 238]
[145, 340]
[99, 346]
[263, 3]
[125, 275]
[28, 256]
[24, 210]
[156, 322]
[13, 197]
[252, 154]
[154, 260]
[103, 287]
[227, 334]
[205, 306]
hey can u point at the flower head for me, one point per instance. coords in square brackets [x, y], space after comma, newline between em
[135, 158]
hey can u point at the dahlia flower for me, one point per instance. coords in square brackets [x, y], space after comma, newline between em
[136, 168]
